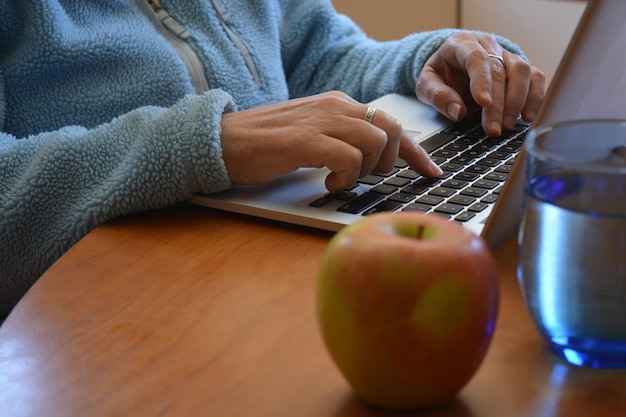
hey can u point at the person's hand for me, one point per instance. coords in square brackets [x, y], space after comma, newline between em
[466, 70]
[326, 130]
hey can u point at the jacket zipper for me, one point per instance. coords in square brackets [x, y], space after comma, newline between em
[177, 36]
[224, 18]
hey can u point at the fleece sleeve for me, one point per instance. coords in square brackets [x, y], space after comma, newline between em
[345, 59]
[57, 186]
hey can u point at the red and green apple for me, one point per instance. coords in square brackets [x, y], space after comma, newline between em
[407, 305]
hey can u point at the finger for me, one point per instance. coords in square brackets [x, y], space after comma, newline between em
[481, 69]
[378, 140]
[344, 162]
[431, 89]
[374, 143]
[417, 157]
[518, 74]
[352, 148]
[493, 113]
[536, 94]
[348, 160]
[402, 144]
[342, 159]
[392, 129]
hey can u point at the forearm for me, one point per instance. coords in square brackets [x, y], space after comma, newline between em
[346, 59]
[55, 187]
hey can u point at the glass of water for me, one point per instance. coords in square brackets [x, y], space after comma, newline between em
[572, 260]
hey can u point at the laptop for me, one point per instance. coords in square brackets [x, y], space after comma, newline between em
[482, 184]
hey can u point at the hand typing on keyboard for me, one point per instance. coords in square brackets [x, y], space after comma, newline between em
[474, 165]
[325, 130]
[473, 68]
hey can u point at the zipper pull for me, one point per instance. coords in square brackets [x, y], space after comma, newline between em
[167, 21]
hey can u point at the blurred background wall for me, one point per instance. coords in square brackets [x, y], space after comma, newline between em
[542, 28]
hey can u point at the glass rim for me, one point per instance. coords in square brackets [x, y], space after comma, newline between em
[530, 145]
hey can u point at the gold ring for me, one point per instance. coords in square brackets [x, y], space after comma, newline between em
[498, 57]
[369, 114]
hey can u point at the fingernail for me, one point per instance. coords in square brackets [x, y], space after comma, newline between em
[496, 127]
[454, 109]
[435, 168]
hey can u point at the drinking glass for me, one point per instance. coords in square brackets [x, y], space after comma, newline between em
[572, 240]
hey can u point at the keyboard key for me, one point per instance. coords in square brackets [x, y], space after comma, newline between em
[342, 195]
[442, 191]
[371, 179]
[487, 184]
[493, 142]
[438, 159]
[510, 147]
[445, 174]
[427, 181]
[489, 162]
[474, 192]
[496, 176]
[462, 160]
[478, 207]
[431, 200]
[490, 198]
[476, 169]
[417, 207]
[408, 173]
[499, 155]
[504, 168]
[463, 200]
[478, 133]
[456, 184]
[466, 176]
[397, 181]
[449, 166]
[464, 125]
[384, 189]
[473, 153]
[445, 153]
[465, 216]
[383, 207]
[402, 197]
[436, 141]
[484, 146]
[457, 146]
[360, 203]
[468, 140]
[415, 189]
[449, 208]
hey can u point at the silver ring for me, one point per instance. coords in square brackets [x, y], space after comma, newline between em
[369, 114]
[498, 57]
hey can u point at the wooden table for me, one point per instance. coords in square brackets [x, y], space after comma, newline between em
[193, 312]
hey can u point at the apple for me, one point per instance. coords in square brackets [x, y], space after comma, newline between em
[407, 305]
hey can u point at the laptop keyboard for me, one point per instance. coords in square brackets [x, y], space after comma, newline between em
[474, 166]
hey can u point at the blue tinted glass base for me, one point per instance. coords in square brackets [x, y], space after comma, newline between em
[592, 353]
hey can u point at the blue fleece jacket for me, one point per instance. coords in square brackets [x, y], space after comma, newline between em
[100, 117]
